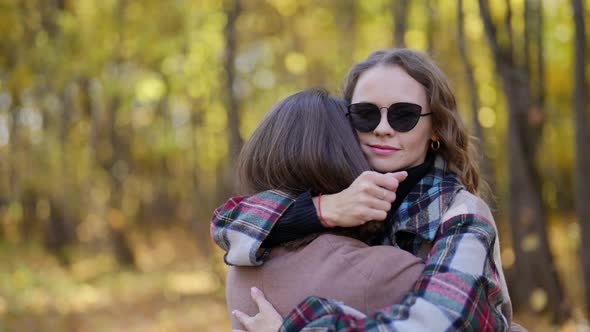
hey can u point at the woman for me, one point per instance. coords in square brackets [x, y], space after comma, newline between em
[405, 115]
[283, 153]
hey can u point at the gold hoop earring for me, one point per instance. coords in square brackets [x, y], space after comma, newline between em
[435, 145]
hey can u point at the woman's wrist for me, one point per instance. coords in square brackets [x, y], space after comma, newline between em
[324, 210]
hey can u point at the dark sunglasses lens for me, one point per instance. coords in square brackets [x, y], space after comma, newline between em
[364, 117]
[403, 117]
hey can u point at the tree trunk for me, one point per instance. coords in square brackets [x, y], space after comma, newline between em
[231, 100]
[201, 228]
[485, 162]
[60, 231]
[14, 148]
[582, 185]
[526, 208]
[114, 164]
[347, 27]
[431, 25]
[117, 219]
[400, 20]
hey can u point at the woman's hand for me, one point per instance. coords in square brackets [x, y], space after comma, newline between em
[368, 198]
[268, 319]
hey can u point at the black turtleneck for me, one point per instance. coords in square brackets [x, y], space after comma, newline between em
[301, 218]
[415, 174]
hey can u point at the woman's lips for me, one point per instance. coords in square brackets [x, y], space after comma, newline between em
[383, 150]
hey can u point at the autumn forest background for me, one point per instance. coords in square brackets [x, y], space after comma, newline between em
[120, 122]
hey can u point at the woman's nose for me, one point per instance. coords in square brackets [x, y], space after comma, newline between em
[383, 128]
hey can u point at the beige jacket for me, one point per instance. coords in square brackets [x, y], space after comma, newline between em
[332, 266]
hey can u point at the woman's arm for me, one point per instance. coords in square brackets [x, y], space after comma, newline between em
[460, 290]
[298, 221]
[242, 224]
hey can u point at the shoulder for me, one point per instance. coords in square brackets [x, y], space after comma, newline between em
[464, 203]
[369, 259]
[468, 214]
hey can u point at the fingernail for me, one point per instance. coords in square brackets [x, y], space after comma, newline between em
[254, 291]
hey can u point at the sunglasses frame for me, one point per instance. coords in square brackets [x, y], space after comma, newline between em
[391, 108]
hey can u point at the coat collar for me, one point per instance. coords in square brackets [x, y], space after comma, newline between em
[421, 211]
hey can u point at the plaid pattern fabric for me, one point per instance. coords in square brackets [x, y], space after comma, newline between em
[461, 289]
[241, 224]
[421, 211]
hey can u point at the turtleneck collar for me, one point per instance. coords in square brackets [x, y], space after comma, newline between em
[415, 174]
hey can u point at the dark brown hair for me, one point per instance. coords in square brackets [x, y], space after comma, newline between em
[304, 143]
[456, 147]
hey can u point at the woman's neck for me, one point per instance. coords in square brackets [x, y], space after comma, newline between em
[415, 174]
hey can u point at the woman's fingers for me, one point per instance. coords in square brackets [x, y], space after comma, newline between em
[367, 214]
[399, 176]
[244, 319]
[267, 320]
[260, 300]
[378, 203]
[369, 197]
[380, 186]
[389, 181]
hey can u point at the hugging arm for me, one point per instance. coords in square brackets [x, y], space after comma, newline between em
[459, 290]
[245, 226]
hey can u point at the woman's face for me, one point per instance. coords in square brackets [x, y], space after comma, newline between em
[386, 149]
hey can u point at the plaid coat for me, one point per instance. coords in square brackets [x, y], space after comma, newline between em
[462, 287]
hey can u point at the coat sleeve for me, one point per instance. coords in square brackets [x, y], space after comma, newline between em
[460, 289]
[241, 224]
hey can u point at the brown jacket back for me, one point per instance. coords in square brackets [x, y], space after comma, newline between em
[332, 266]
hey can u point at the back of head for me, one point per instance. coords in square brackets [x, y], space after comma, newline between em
[303, 143]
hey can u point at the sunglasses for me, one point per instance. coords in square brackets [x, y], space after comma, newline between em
[402, 117]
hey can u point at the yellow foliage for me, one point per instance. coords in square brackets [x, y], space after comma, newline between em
[295, 62]
[150, 89]
[193, 283]
[416, 39]
[284, 7]
[530, 243]
[117, 219]
[538, 299]
[508, 257]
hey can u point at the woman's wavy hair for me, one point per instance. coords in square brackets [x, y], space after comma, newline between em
[305, 143]
[456, 147]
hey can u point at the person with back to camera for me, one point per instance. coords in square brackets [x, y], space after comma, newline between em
[283, 153]
[406, 118]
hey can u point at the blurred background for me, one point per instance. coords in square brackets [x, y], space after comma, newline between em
[120, 122]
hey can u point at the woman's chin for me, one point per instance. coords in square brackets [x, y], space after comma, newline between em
[384, 167]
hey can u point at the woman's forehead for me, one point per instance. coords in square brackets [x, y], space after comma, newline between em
[388, 84]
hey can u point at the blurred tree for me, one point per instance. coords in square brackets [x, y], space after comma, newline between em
[485, 162]
[432, 25]
[582, 142]
[400, 21]
[526, 206]
[232, 105]
[114, 154]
